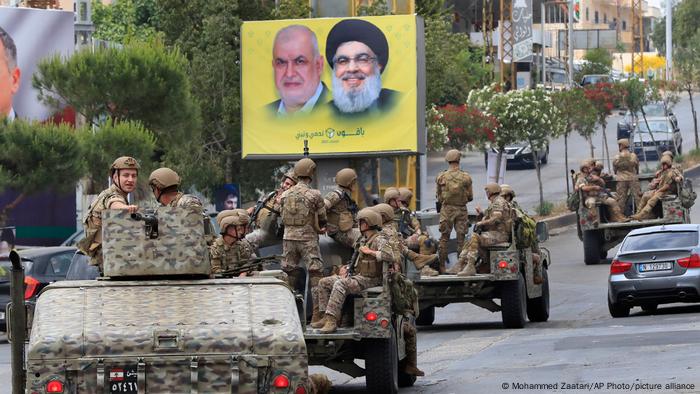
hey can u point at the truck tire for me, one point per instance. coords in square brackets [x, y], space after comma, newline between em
[382, 365]
[591, 247]
[618, 310]
[426, 317]
[538, 308]
[405, 380]
[514, 303]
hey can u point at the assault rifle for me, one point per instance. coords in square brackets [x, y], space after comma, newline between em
[260, 205]
[405, 223]
[249, 265]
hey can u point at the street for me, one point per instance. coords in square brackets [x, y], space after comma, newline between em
[580, 349]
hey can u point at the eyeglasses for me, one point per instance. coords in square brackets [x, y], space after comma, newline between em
[361, 60]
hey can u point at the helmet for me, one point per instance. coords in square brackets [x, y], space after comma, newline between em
[405, 194]
[385, 210]
[668, 153]
[587, 163]
[390, 194]
[492, 188]
[163, 178]
[507, 190]
[624, 142]
[666, 160]
[453, 155]
[304, 167]
[370, 216]
[237, 217]
[291, 175]
[345, 177]
[599, 165]
[125, 163]
[223, 214]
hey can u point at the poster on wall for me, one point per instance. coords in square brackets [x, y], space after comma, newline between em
[344, 85]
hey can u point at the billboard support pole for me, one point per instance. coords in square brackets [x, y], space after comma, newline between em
[306, 148]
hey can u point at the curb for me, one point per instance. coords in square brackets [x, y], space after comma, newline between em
[568, 219]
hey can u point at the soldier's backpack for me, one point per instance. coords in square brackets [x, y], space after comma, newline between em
[525, 229]
[295, 211]
[573, 201]
[687, 194]
[404, 296]
[453, 190]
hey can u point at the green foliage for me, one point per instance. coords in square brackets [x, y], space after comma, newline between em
[599, 61]
[467, 126]
[687, 62]
[292, 9]
[432, 9]
[124, 20]
[532, 115]
[686, 15]
[36, 157]
[376, 8]
[141, 81]
[545, 208]
[576, 112]
[436, 129]
[658, 35]
[634, 94]
[114, 139]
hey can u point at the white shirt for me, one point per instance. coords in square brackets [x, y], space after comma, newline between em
[308, 106]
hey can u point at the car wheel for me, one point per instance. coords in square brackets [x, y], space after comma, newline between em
[514, 303]
[592, 248]
[650, 307]
[618, 310]
[545, 158]
[538, 308]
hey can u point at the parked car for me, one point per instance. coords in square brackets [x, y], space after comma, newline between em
[80, 268]
[655, 265]
[627, 123]
[519, 154]
[655, 136]
[592, 79]
[41, 267]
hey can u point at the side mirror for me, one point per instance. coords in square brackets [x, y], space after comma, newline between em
[542, 231]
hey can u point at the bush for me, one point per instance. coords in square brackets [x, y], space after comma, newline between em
[545, 208]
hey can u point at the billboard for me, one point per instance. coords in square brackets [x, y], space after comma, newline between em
[34, 34]
[352, 86]
[522, 31]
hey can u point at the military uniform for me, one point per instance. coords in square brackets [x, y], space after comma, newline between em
[626, 167]
[225, 257]
[340, 210]
[664, 183]
[454, 191]
[186, 201]
[91, 245]
[592, 198]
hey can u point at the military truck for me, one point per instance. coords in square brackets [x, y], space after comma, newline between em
[157, 322]
[506, 275]
[599, 235]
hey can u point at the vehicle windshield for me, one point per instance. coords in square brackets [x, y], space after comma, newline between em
[655, 126]
[6, 267]
[654, 110]
[666, 240]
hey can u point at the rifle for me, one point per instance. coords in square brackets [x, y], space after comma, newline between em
[260, 205]
[249, 265]
[404, 221]
[353, 260]
[352, 205]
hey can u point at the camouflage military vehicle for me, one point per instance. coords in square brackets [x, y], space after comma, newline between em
[599, 235]
[507, 275]
[158, 323]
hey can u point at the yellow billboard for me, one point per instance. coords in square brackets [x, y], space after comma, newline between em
[350, 86]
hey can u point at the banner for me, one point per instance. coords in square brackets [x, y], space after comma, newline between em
[522, 31]
[350, 86]
[31, 35]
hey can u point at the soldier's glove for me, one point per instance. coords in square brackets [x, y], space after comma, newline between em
[438, 206]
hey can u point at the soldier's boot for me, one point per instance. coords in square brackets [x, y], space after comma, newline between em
[427, 245]
[643, 214]
[321, 322]
[316, 315]
[442, 256]
[616, 214]
[457, 267]
[427, 271]
[331, 324]
[320, 384]
[537, 269]
[421, 260]
[468, 270]
[411, 368]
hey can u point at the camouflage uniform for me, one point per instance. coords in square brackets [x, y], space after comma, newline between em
[367, 273]
[340, 209]
[664, 178]
[225, 257]
[454, 191]
[186, 201]
[592, 198]
[626, 167]
[91, 245]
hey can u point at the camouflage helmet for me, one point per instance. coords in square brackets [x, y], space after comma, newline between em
[370, 216]
[291, 176]
[163, 178]
[125, 163]
[599, 165]
[623, 142]
[492, 188]
[223, 214]
[587, 163]
[237, 217]
[385, 210]
[666, 160]
[453, 155]
[668, 153]
[506, 190]
[345, 177]
[391, 193]
[405, 194]
[304, 167]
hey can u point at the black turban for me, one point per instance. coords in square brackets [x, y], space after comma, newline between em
[361, 31]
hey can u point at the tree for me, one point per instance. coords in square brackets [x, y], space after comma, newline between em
[685, 25]
[467, 126]
[124, 20]
[603, 96]
[598, 61]
[688, 76]
[576, 113]
[436, 129]
[36, 157]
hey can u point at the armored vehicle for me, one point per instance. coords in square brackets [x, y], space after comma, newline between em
[157, 322]
[600, 235]
[506, 275]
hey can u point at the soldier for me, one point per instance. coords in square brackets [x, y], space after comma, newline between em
[454, 191]
[626, 168]
[666, 182]
[341, 209]
[508, 194]
[594, 192]
[365, 271]
[124, 173]
[304, 218]
[675, 167]
[266, 211]
[231, 247]
[164, 183]
[495, 227]
[587, 164]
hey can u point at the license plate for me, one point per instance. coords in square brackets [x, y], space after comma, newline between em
[650, 149]
[655, 267]
[510, 157]
[123, 380]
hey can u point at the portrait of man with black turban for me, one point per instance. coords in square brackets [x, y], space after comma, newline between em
[358, 53]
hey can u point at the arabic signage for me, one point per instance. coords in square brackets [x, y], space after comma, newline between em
[522, 31]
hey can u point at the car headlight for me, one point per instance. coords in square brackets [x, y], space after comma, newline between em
[526, 150]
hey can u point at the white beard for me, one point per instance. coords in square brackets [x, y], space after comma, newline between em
[359, 100]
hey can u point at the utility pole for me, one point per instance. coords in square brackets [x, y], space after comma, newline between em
[669, 40]
[570, 5]
[543, 18]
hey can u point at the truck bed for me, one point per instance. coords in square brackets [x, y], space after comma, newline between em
[447, 279]
[637, 223]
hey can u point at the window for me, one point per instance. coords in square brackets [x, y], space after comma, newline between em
[595, 17]
[58, 265]
[624, 25]
[83, 12]
[668, 240]
[587, 15]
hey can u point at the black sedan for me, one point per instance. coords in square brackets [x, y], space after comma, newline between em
[41, 267]
[520, 154]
